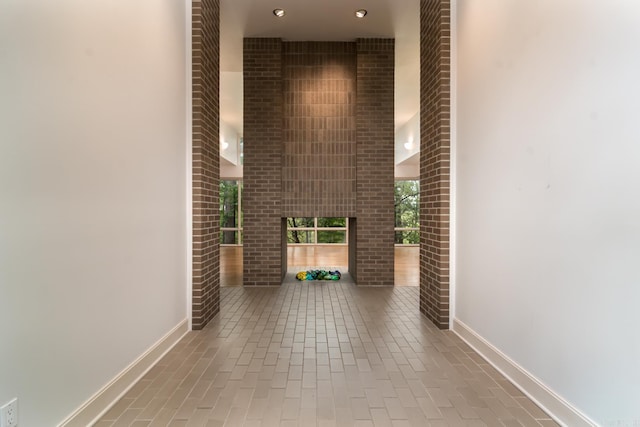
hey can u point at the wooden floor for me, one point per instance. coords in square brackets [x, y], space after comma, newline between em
[407, 270]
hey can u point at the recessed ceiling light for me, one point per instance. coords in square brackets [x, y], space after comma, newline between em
[279, 12]
[361, 13]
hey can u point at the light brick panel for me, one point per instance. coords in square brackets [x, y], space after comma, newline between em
[375, 162]
[206, 161]
[262, 192]
[319, 129]
[435, 137]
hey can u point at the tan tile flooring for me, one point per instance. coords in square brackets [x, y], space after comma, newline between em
[323, 354]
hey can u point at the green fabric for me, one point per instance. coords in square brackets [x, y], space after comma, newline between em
[318, 275]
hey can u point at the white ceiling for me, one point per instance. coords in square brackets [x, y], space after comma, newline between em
[328, 20]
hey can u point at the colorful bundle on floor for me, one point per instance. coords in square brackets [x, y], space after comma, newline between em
[318, 275]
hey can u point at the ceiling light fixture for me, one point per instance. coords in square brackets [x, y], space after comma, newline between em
[224, 145]
[361, 13]
[409, 144]
[279, 12]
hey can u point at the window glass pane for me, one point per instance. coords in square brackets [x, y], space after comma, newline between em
[407, 203]
[296, 236]
[332, 222]
[229, 237]
[407, 238]
[332, 236]
[228, 204]
[299, 222]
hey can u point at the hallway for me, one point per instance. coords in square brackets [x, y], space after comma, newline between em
[322, 354]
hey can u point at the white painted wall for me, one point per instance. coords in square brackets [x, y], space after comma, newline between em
[92, 194]
[408, 171]
[229, 135]
[408, 133]
[230, 171]
[548, 204]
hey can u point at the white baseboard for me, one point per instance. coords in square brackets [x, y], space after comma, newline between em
[94, 408]
[558, 408]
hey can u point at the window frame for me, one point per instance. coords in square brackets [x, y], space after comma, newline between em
[315, 230]
[404, 229]
[239, 228]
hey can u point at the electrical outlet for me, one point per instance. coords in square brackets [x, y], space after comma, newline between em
[9, 414]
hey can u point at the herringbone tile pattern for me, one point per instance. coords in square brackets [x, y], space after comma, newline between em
[323, 354]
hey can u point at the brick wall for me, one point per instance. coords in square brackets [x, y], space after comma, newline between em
[319, 129]
[375, 135]
[435, 136]
[206, 161]
[319, 141]
[262, 192]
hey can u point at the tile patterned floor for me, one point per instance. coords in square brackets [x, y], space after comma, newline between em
[323, 354]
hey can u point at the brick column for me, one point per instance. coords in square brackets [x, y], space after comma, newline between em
[262, 196]
[374, 256]
[206, 161]
[435, 137]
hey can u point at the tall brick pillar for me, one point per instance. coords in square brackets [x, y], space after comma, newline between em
[319, 138]
[206, 161]
[374, 253]
[435, 148]
[262, 191]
